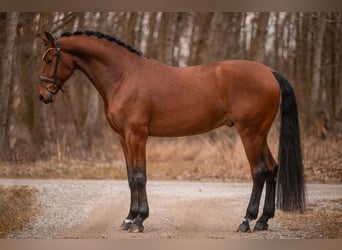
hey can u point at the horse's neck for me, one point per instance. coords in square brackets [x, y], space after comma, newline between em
[104, 66]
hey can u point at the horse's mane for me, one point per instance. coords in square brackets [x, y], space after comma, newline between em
[101, 35]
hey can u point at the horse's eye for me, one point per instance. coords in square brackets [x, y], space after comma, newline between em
[49, 61]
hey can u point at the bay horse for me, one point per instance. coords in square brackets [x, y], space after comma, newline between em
[143, 97]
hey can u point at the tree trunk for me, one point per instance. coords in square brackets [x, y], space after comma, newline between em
[317, 62]
[167, 36]
[181, 27]
[257, 50]
[243, 34]
[130, 33]
[92, 113]
[15, 99]
[7, 75]
[219, 37]
[91, 118]
[234, 46]
[151, 49]
[276, 42]
[202, 39]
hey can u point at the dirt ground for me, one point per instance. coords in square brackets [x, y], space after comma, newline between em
[178, 210]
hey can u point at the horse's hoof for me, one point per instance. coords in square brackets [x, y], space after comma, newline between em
[244, 228]
[126, 225]
[134, 228]
[260, 226]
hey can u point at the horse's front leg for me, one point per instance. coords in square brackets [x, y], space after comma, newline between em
[134, 147]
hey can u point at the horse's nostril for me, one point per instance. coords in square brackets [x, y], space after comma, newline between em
[43, 100]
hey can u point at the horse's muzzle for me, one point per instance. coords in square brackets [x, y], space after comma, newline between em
[45, 101]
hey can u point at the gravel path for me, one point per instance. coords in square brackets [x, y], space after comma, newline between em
[96, 208]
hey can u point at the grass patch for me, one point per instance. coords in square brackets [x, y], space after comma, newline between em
[17, 207]
[215, 156]
[68, 169]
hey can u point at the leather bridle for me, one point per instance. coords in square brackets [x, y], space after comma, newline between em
[55, 87]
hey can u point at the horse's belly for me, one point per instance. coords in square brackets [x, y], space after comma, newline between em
[187, 123]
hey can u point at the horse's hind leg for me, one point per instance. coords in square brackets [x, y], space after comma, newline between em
[254, 147]
[269, 206]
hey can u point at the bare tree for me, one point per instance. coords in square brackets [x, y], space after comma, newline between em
[92, 114]
[257, 50]
[200, 40]
[317, 62]
[151, 49]
[166, 36]
[7, 75]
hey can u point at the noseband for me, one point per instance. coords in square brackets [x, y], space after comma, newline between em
[54, 80]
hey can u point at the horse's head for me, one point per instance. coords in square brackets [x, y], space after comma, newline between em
[57, 67]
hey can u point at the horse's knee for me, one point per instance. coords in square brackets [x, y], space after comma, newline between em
[140, 179]
[137, 180]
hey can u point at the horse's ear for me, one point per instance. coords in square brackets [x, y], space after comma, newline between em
[44, 39]
[50, 38]
[47, 39]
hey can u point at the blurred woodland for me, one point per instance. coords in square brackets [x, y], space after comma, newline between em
[305, 47]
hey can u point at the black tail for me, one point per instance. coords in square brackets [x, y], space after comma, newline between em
[290, 182]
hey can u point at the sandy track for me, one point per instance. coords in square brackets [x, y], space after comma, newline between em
[95, 209]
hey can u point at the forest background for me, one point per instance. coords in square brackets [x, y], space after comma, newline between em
[71, 138]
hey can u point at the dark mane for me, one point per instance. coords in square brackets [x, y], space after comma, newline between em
[100, 36]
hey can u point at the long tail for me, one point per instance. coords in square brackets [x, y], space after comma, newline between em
[290, 182]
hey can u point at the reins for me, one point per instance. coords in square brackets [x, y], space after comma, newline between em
[54, 79]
